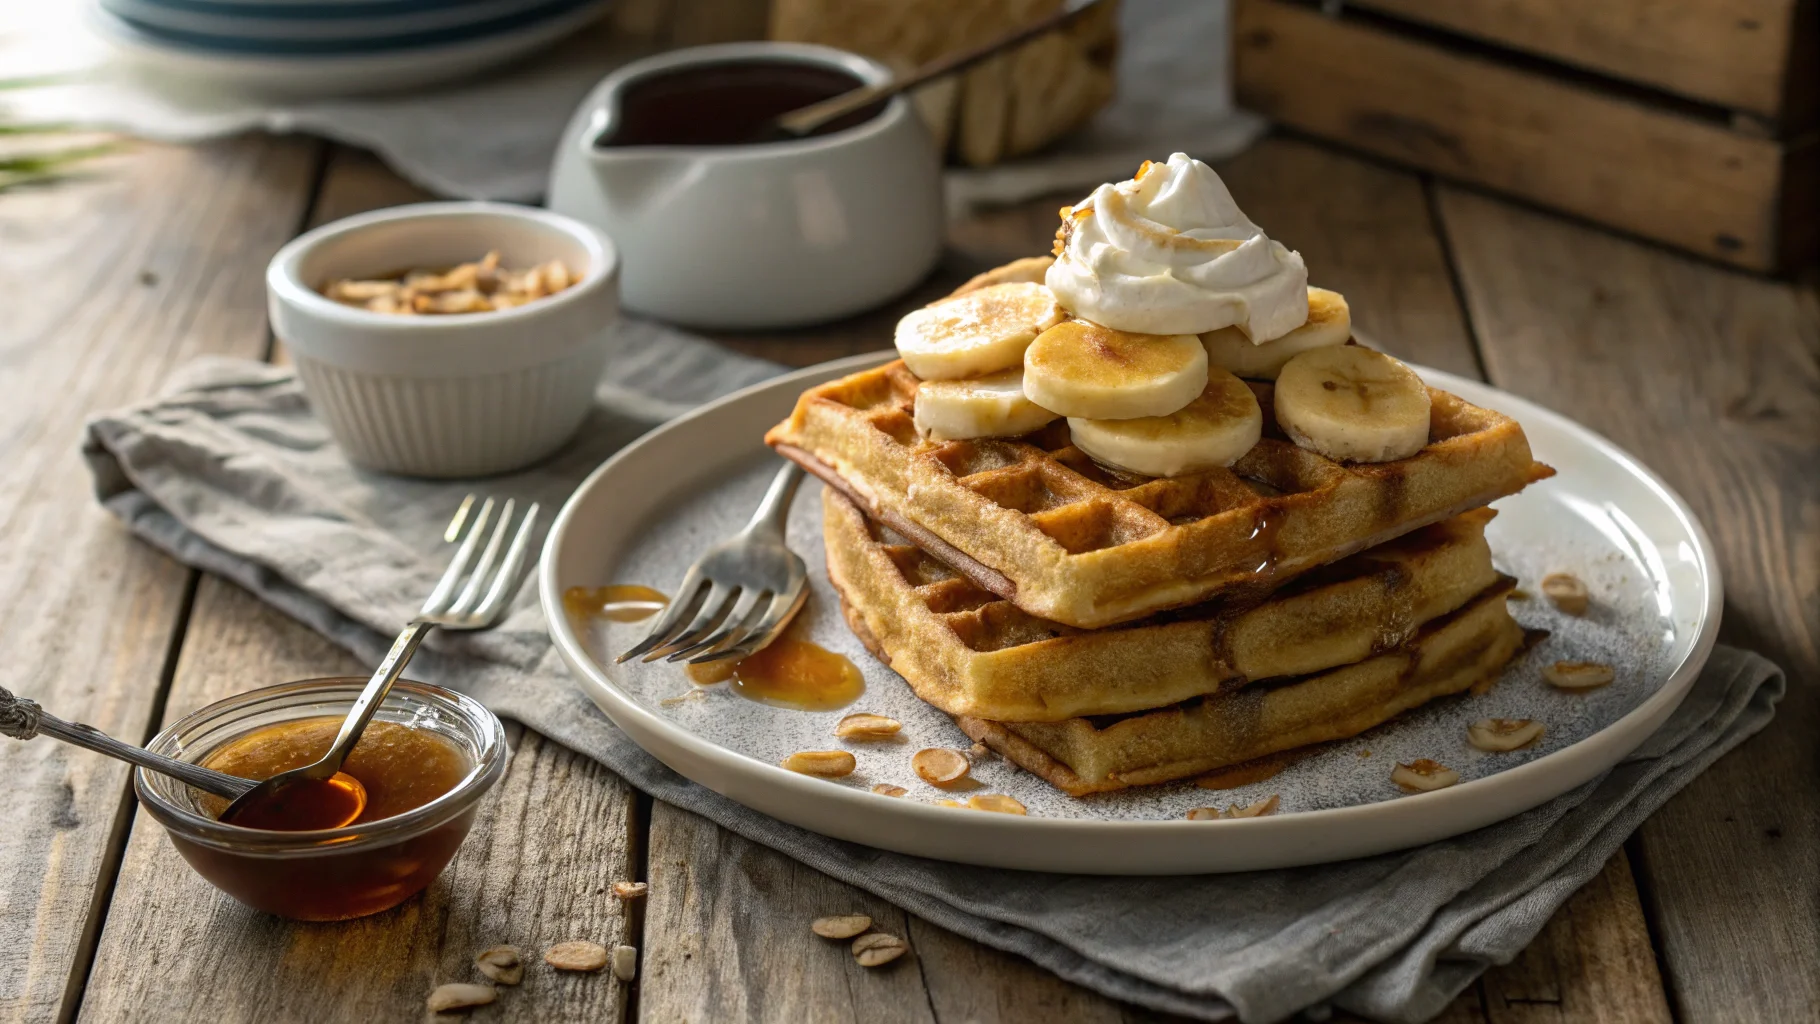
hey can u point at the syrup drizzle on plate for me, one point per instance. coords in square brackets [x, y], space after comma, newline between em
[621, 602]
[790, 673]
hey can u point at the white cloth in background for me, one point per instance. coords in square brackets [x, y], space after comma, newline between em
[493, 138]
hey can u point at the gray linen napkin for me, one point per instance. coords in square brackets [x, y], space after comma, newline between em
[230, 473]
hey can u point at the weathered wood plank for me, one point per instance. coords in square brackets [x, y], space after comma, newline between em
[108, 284]
[1733, 53]
[534, 871]
[1710, 377]
[977, 984]
[1507, 128]
[727, 936]
[1592, 963]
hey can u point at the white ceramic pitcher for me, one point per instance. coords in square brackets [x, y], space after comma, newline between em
[766, 235]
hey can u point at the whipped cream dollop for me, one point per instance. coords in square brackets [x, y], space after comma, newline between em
[1169, 252]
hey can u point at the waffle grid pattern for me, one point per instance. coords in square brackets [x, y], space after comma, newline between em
[1071, 541]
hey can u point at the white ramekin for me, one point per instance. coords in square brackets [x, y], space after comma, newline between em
[467, 394]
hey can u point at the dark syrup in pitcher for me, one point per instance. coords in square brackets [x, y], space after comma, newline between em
[727, 103]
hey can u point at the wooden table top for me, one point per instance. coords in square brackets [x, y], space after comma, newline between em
[1708, 914]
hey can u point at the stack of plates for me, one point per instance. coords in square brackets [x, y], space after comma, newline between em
[333, 47]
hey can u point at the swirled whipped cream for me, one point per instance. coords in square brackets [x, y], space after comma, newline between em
[1169, 252]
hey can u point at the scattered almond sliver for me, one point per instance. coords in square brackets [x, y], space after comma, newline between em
[1256, 809]
[840, 926]
[502, 964]
[998, 802]
[875, 949]
[1500, 735]
[1423, 776]
[1567, 592]
[865, 726]
[479, 287]
[458, 995]
[576, 955]
[825, 764]
[1577, 675]
[939, 766]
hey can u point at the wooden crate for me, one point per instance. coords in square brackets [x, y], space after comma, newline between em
[1570, 109]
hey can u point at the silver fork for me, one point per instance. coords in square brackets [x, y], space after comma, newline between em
[738, 596]
[478, 604]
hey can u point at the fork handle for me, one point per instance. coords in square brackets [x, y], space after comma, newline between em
[367, 704]
[774, 511]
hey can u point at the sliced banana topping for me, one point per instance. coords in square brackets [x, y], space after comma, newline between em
[990, 406]
[1082, 369]
[1329, 323]
[981, 332]
[1213, 430]
[1352, 404]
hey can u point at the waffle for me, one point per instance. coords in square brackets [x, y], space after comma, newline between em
[969, 652]
[1037, 522]
[1095, 755]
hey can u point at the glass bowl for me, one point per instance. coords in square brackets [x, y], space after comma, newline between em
[332, 874]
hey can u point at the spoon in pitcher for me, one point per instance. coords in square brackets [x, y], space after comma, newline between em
[22, 719]
[805, 120]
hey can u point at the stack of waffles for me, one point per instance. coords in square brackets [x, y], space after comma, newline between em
[1103, 627]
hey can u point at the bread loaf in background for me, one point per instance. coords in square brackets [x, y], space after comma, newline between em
[1014, 103]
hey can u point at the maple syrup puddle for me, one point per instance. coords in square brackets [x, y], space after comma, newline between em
[621, 602]
[790, 673]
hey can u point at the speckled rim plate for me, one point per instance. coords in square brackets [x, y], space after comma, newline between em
[609, 509]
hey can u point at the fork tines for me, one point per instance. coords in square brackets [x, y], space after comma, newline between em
[687, 629]
[493, 582]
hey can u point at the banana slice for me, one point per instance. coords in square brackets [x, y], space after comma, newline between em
[991, 406]
[981, 332]
[1081, 369]
[1213, 430]
[1351, 403]
[1329, 323]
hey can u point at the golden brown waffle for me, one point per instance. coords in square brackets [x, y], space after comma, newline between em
[969, 652]
[1037, 522]
[1094, 755]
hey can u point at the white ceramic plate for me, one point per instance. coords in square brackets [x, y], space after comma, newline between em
[645, 514]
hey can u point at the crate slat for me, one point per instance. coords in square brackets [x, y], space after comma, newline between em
[1743, 55]
[1655, 172]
